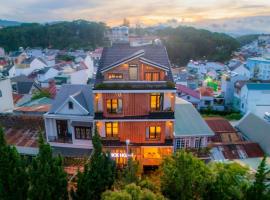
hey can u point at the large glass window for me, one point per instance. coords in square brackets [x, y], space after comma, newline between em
[156, 101]
[133, 72]
[82, 133]
[154, 132]
[182, 143]
[152, 76]
[111, 129]
[114, 105]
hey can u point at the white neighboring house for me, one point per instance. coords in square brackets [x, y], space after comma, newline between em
[237, 67]
[29, 65]
[69, 123]
[190, 130]
[6, 99]
[89, 62]
[255, 98]
[228, 81]
[259, 67]
[46, 73]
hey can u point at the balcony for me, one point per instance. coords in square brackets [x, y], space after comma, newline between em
[163, 114]
[60, 139]
[134, 86]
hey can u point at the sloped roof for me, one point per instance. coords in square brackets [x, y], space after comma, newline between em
[188, 122]
[185, 89]
[219, 125]
[256, 129]
[258, 86]
[81, 93]
[117, 53]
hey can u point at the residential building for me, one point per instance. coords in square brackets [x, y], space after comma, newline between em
[9, 71]
[6, 99]
[228, 81]
[23, 85]
[46, 73]
[120, 34]
[29, 65]
[253, 97]
[189, 95]
[259, 67]
[190, 130]
[69, 122]
[239, 68]
[134, 103]
[255, 129]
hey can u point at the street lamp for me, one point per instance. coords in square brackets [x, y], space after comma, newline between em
[127, 143]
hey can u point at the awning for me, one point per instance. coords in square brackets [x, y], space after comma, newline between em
[84, 124]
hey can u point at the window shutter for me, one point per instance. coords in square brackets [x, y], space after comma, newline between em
[147, 133]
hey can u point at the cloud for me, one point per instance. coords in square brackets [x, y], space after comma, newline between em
[145, 11]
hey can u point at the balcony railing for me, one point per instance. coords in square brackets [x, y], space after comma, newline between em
[60, 139]
[161, 114]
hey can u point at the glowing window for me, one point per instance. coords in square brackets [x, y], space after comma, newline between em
[111, 129]
[156, 102]
[154, 132]
[114, 105]
[115, 76]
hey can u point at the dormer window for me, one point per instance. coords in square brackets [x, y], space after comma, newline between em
[1, 93]
[70, 105]
[114, 76]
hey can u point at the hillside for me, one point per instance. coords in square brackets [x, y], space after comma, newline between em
[5, 23]
[76, 34]
[246, 39]
[186, 43]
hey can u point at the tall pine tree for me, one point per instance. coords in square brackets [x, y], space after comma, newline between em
[13, 176]
[48, 179]
[98, 174]
[260, 190]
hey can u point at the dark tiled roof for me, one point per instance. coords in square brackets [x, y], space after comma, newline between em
[118, 53]
[81, 93]
[71, 152]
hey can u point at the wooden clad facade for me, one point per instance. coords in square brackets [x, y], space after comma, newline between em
[123, 70]
[133, 104]
[137, 131]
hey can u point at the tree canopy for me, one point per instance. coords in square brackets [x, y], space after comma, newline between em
[48, 180]
[98, 174]
[62, 35]
[186, 43]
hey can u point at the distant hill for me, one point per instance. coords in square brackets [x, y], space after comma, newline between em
[185, 43]
[61, 35]
[246, 39]
[6, 23]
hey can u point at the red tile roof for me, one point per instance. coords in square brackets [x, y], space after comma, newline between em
[40, 108]
[186, 90]
[16, 97]
[22, 137]
[218, 124]
[206, 91]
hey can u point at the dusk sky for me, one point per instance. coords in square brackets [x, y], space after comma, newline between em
[147, 12]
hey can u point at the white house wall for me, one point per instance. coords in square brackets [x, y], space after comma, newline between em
[6, 100]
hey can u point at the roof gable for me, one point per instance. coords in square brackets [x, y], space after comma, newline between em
[117, 54]
[81, 95]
